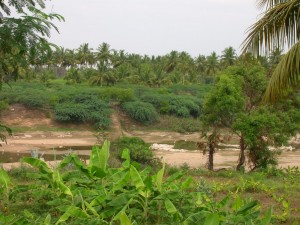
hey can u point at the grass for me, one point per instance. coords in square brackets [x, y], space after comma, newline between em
[187, 145]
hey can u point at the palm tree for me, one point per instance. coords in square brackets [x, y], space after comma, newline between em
[85, 55]
[228, 57]
[212, 66]
[278, 28]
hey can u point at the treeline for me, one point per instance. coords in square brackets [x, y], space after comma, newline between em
[106, 66]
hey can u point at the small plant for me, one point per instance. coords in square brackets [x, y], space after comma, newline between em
[138, 149]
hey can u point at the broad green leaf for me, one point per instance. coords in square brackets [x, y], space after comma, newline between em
[124, 220]
[77, 162]
[159, 178]
[126, 156]
[120, 200]
[73, 212]
[295, 223]
[174, 177]
[247, 207]
[196, 218]
[91, 208]
[267, 219]
[122, 180]
[28, 214]
[238, 203]
[136, 178]
[99, 199]
[60, 185]
[37, 163]
[99, 160]
[4, 179]
[47, 221]
[186, 184]
[118, 215]
[212, 219]
[223, 202]
[170, 206]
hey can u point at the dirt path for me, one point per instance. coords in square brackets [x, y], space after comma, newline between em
[116, 126]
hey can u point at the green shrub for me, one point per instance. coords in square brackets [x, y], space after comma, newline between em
[83, 108]
[117, 94]
[180, 106]
[141, 112]
[139, 150]
[3, 105]
[188, 145]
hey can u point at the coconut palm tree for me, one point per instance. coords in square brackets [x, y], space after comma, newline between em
[228, 57]
[279, 27]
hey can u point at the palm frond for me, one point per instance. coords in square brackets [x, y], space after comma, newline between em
[278, 27]
[269, 3]
[286, 74]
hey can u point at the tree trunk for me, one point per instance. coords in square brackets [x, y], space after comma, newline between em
[211, 156]
[242, 157]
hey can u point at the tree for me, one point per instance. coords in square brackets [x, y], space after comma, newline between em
[212, 65]
[278, 28]
[22, 36]
[228, 57]
[220, 111]
[265, 126]
[253, 84]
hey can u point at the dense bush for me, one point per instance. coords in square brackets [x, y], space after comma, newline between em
[30, 95]
[141, 111]
[139, 150]
[83, 108]
[180, 106]
[117, 94]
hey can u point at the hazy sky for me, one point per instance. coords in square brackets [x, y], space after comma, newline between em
[155, 27]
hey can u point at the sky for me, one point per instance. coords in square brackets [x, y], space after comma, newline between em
[155, 27]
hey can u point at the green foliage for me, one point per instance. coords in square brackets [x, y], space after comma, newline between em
[98, 194]
[23, 38]
[223, 103]
[261, 128]
[180, 106]
[83, 108]
[29, 94]
[138, 149]
[141, 112]
[73, 76]
[3, 105]
[117, 94]
[188, 145]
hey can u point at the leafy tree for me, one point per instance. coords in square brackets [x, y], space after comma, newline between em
[264, 127]
[278, 28]
[253, 84]
[220, 111]
[22, 36]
